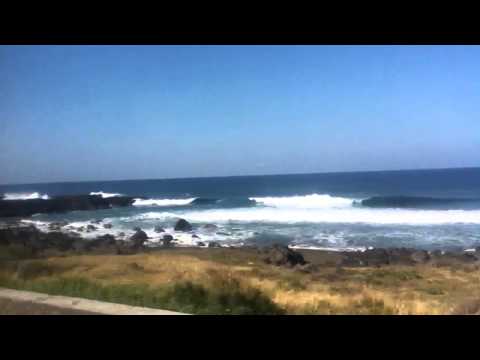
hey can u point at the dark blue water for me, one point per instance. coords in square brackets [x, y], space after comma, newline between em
[309, 210]
[447, 183]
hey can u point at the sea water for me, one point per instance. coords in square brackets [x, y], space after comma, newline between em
[305, 210]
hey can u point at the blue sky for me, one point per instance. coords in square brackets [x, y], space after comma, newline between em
[73, 113]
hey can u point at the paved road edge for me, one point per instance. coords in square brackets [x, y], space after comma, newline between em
[66, 302]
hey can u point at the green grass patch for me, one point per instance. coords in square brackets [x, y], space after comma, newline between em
[15, 252]
[226, 297]
[390, 278]
[432, 288]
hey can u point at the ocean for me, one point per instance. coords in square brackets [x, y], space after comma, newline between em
[322, 211]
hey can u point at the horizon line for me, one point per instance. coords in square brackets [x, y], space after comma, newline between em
[249, 175]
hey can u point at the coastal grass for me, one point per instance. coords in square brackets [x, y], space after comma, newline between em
[236, 281]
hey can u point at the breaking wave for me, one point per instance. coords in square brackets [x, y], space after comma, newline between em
[105, 194]
[162, 202]
[345, 215]
[25, 196]
[313, 201]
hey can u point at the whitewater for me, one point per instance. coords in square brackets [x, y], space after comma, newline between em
[313, 210]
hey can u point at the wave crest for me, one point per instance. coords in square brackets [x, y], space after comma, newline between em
[162, 202]
[299, 216]
[25, 196]
[312, 201]
[104, 194]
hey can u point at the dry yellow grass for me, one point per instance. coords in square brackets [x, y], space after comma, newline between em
[387, 290]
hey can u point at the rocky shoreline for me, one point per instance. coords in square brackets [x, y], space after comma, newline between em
[59, 237]
[61, 204]
[38, 243]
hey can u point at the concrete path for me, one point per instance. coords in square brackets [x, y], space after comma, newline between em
[31, 303]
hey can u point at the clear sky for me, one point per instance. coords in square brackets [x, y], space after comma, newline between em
[72, 113]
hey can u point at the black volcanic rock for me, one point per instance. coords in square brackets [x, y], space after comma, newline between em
[213, 244]
[183, 225]
[60, 204]
[56, 226]
[138, 239]
[167, 239]
[31, 238]
[420, 256]
[282, 255]
[106, 242]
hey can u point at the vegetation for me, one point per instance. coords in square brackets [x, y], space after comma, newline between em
[235, 281]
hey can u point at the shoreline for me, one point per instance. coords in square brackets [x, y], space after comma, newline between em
[271, 279]
[34, 242]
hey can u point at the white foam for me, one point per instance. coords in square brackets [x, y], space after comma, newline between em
[162, 202]
[105, 194]
[329, 215]
[336, 249]
[312, 201]
[25, 196]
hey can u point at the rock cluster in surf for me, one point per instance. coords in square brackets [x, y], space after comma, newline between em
[60, 204]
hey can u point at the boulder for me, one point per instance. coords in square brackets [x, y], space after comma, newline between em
[212, 244]
[195, 236]
[107, 226]
[200, 243]
[167, 239]
[420, 257]
[103, 241]
[91, 228]
[281, 255]
[158, 229]
[183, 225]
[138, 239]
[56, 226]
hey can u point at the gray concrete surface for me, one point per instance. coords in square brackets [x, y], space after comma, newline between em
[17, 302]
